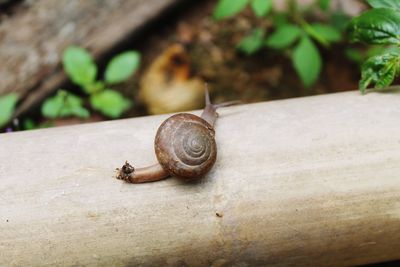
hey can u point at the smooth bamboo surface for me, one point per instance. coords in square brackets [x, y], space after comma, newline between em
[302, 182]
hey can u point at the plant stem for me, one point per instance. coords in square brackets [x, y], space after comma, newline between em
[311, 32]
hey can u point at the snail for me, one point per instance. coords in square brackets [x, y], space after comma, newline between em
[185, 147]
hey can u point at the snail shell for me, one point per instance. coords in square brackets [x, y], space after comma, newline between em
[185, 146]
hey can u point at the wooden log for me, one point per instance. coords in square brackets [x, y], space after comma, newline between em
[303, 182]
[32, 40]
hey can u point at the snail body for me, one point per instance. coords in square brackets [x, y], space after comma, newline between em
[185, 147]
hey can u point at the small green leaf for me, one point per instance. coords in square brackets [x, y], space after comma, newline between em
[79, 66]
[279, 19]
[109, 102]
[261, 7]
[80, 112]
[229, 8]
[307, 61]
[252, 43]
[380, 70]
[284, 36]
[51, 108]
[94, 87]
[74, 107]
[7, 107]
[122, 66]
[327, 32]
[376, 26]
[64, 104]
[324, 4]
[29, 124]
[394, 4]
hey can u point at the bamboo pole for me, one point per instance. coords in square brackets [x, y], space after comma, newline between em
[304, 182]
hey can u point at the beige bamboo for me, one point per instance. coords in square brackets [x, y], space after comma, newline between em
[303, 182]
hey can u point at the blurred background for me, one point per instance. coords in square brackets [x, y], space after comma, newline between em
[66, 62]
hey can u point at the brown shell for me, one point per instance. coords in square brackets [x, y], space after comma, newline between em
[185, 146]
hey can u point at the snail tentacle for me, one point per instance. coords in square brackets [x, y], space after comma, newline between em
[210, 114]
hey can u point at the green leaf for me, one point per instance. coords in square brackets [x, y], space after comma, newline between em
[29, 124]
[252, 43]
[387, 76]
[64, 104]
[324, 4]
[122, 66]
[261, 7]
[328, 33]
[284, 36]
[94, 87]
[80, 112]
[375, 50]
[7, 107]
[376, 26]
[307, 61]
[79, 66]
[229, 8]
[339, 20]
[394, 4]
[380, 70]
[109, 102]
[279, 19]
[51, 108]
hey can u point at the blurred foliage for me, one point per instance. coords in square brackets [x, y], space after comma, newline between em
[261, 7]
[82, 71]
[380, 25]
[229, 8]
[7, 106]
[307, 61]
[79, 66]
[110, 102]
[293, 35]
[122, 67]
[253, 42]
[64, 104]
[385, 4]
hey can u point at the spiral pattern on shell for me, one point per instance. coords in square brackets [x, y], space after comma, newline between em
[185, 146]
